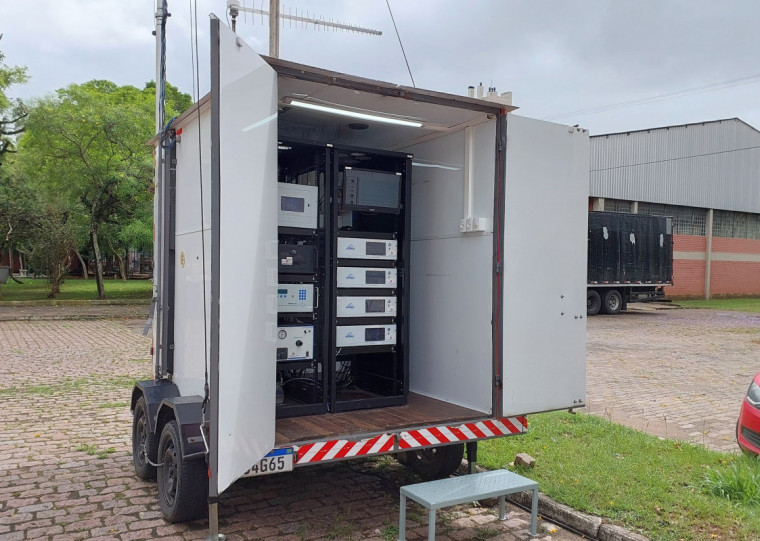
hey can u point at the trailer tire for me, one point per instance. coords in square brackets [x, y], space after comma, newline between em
[144, 442]
[435, 462]
[182, 483]
[612, 302]
[593, 302]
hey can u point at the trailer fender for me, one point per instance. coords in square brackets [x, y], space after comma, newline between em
[153, 391]
[188, 412]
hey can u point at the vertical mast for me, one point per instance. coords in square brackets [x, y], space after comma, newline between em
[158, 195]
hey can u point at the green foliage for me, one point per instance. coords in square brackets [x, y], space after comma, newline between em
[86, 150]
[176, 102]
[19, 210]
[52, 243]
[735, 480]
[12, 112]
[742, 305]
[634, 479]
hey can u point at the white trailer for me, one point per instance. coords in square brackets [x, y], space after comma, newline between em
[492, 322]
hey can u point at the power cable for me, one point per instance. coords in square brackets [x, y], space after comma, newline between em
[401, 44]
[716, 153]
[750, 79]
[197, 85]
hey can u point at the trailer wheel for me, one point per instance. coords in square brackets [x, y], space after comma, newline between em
[182, 483]
[613, 302]
[436, 462]
[144, 442]
[593, 302]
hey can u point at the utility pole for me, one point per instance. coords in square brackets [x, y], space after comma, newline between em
[274, 28]
[274, 22]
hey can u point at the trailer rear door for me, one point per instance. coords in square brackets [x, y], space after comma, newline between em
[244, 251]
[544, 299]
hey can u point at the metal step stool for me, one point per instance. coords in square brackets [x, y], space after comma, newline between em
[467, 488]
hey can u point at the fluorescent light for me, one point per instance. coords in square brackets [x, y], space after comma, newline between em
[436, 165]
[354, 114]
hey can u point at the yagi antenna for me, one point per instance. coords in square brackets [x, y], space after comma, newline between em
[235, 8]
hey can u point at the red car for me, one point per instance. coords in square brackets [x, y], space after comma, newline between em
[748, 425]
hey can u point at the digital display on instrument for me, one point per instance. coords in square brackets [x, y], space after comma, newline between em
[375, 248]
[374, 334]
[377, 191]
[374, 305]
[374, 277]
[292, 204]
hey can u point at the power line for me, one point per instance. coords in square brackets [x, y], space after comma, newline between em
[716, 153]
[399, 42]
[750, 79]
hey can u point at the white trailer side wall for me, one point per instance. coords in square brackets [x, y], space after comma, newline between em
[450, 329]
[189, 344]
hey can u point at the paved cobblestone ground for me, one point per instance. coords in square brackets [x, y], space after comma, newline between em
[65, 456]
[674, 373]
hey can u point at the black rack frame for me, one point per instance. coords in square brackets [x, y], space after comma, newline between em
[399, 373]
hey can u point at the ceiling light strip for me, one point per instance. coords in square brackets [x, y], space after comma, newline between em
[354, 114]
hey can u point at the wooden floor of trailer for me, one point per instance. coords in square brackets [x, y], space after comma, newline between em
[418, 411]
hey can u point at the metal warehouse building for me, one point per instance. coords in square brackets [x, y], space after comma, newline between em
[705, 175]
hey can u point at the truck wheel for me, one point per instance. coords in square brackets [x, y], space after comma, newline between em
[436, 462]
[593, 303]
[613, 302]
[182, 483]
[144, 443]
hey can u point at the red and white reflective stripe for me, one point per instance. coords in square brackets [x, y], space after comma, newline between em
[465, 432]
[323, 451]
[336, 449]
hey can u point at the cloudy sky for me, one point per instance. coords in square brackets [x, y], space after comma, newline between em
[609, 66]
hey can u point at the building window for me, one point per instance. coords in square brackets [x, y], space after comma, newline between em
[737, 225]
[617, 205]
[686, 220]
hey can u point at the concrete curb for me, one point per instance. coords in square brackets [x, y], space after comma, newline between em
[55, 302]
[588, 525]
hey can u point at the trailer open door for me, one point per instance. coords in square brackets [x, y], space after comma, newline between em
[544, 299]
[244, 250]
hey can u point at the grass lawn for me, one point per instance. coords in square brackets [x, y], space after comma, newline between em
[742, 305]
[656, 487]
[36, 289]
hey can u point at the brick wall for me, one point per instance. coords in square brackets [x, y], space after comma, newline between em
[735, 268]
[688, 279]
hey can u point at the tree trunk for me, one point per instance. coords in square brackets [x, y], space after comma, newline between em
[98, 262]
[122, 266]
[82, 264]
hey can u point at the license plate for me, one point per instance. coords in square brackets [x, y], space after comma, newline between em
[278, 461]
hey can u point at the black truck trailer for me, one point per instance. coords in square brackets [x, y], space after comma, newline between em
[630, 259]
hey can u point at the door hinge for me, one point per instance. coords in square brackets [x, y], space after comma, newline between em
[498, 267]
[498, 381]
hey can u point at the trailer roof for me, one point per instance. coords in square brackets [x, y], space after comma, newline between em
[333, 78]
[439, 112]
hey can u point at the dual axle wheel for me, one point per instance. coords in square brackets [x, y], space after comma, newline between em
[182, 483]
[610, 302]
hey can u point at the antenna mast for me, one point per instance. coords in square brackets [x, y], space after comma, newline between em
[274, 23]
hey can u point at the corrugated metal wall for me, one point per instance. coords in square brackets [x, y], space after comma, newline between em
[711, 165]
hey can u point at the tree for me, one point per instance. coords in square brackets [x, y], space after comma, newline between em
[176, 102]
[87, 149]
[12, 112]
[18, 213]
[52, 243]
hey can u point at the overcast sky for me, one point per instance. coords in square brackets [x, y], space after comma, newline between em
[557, 57]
